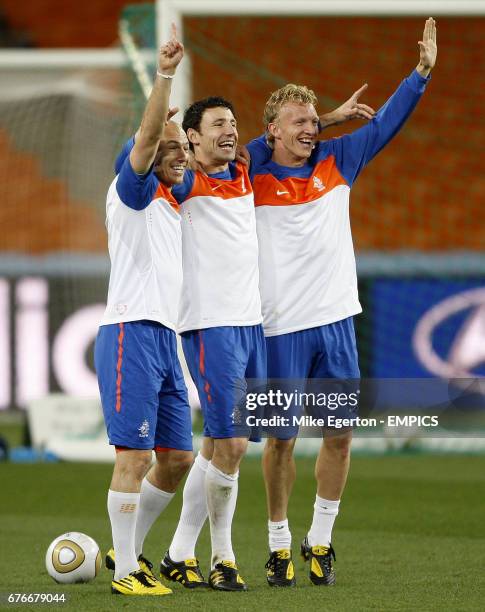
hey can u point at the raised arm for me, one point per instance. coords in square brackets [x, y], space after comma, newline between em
[353, 109]
[150, 132]
[354, 151]
[428, 49]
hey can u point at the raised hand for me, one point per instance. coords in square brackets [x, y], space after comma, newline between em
[170, 54]
[350, 109]
[353, 109]
[171, 113]
[427, 48]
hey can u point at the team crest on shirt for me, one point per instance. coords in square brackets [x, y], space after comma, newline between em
[144, 429]
[317, 184]
[121, 308]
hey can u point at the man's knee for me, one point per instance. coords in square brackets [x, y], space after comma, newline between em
[283, 449]
[132, 464]
[228, 452]
[339, 446]
[175, 462]
[170, 467]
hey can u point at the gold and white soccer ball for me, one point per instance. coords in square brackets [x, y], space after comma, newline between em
[73, 557]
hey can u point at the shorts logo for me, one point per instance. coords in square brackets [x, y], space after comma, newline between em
[236, 416]
[317, 184]
[144, 429]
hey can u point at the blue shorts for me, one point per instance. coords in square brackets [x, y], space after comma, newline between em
[220, 361]
[325, 352]
[142, 386]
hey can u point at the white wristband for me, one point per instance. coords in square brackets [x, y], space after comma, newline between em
[165, 76]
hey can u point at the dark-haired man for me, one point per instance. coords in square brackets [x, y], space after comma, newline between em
[220, 322]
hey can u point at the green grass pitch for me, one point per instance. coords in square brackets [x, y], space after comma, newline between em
[410, 536]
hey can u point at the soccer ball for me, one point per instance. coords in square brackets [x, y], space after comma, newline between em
[73, 557]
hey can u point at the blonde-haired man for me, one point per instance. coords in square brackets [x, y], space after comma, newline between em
[308, 285]
[298, 94]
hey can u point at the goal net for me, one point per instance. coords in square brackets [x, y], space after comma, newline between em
[63, 117]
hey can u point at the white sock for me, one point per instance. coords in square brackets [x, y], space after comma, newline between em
[324, 515]
[153, 502]
[122, 510]
[279, 535]
[221, 492]
[193, 515]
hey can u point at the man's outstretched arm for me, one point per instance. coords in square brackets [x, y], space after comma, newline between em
[353, 151]
[151, 129]
[353, 109]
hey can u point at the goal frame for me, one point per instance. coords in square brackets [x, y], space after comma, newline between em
[173, 11]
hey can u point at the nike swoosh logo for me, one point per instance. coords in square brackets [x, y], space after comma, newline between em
[216, 187]
[282, 192]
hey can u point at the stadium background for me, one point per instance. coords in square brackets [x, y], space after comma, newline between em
[410, 535]
[417, 210]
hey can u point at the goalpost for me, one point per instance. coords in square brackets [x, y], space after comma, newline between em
[173, 11]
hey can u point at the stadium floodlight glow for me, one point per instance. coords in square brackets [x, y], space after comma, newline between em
[173, 11]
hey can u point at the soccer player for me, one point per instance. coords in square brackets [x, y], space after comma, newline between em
[222, 337]
[221, 329]
[141, 383]
[309, 284]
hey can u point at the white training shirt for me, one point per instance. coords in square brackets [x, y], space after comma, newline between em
[220, 250]
[306, 255]
[145, 248]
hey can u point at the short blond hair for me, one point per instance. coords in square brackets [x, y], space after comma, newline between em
[289, 93]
